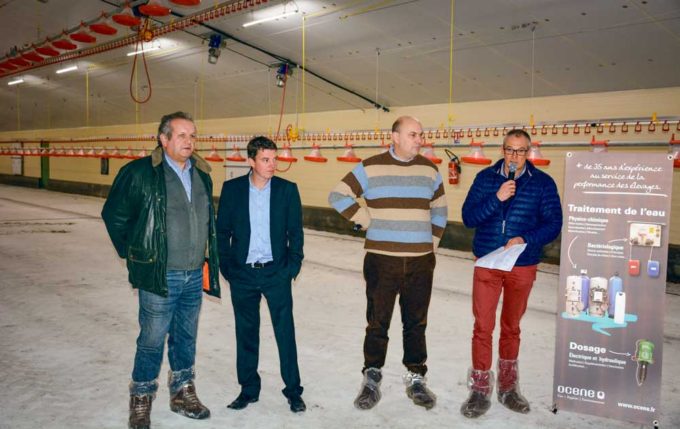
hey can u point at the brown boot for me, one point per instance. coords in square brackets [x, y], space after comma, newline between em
[186, 403]
[480, 384]
[508, 387]
[140, 411]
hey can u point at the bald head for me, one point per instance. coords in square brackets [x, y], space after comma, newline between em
[407, 136]
[396, 126]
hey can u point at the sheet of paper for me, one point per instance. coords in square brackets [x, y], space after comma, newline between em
[501, 258]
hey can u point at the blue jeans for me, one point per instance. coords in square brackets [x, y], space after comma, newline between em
[174, 316]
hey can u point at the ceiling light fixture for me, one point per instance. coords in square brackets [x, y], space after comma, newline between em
[15, 82]
[67, 69]
[149, 49]
[271, 18]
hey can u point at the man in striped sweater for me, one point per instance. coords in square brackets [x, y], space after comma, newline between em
[404, 219]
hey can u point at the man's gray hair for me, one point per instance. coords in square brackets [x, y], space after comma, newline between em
[164, 127]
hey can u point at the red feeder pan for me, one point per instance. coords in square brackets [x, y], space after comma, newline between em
[428, 153]
[349, 155]
[32, 56]
[476, 155]
[17, 61]
[8, 66]
[64, 44]
[104, 29]
[47, 51]
[128, 154]
[315, 155]
[154, 9]
[235, 155]
[186, 2]
[214, 156]
[286, 155]
[535, 155]
[126, 19]
[115, 153]
[675, 150]
[597, 146]
[83, 37]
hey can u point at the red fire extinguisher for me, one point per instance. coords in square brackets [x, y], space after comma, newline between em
[454, 167]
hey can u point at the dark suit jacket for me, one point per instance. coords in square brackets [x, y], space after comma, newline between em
[233, 228]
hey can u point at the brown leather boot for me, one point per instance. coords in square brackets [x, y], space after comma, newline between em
[186, 403]
[480, 384]
[508, 387]
[140, 411]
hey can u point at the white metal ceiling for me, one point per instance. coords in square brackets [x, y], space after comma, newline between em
[397, 50]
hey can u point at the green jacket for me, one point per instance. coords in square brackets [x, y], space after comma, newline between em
[134, 214]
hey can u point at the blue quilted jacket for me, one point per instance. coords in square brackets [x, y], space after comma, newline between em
[534, 213]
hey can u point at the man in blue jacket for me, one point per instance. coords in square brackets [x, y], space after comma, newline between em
[260, 239]
[509, 203]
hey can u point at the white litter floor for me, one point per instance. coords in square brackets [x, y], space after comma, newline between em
[68, 324]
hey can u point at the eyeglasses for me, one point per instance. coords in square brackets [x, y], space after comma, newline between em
[519, 152]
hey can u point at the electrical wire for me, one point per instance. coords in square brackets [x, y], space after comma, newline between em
[140, 40]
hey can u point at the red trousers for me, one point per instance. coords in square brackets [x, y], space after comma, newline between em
[486, 290]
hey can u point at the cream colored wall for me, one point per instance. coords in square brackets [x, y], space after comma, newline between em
[316, 179]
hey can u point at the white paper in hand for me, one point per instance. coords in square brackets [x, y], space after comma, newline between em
[501, 258]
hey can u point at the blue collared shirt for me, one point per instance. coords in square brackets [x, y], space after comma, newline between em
[395, 156]
[260, 248]
[184, 175]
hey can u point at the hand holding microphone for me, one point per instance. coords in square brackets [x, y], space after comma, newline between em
[507, 189]
[512, 168]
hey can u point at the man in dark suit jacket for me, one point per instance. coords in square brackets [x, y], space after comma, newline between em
[259, 237]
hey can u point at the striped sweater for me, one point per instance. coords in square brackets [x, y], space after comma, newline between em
[405, 208]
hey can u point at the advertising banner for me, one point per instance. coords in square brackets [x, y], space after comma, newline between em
[609, 338]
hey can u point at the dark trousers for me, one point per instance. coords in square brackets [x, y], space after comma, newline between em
[486, 290]
[245, 298]
[411, 279]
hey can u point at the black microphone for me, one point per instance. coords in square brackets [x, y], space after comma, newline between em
[511, 170]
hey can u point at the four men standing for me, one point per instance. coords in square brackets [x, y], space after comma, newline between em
[160, 217]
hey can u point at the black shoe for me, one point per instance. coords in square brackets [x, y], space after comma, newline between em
[242, 401]
[297, 405]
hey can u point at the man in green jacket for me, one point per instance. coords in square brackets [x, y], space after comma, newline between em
[160, 217]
